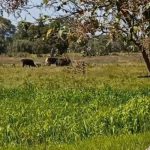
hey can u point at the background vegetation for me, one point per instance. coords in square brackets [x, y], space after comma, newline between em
[39, 38]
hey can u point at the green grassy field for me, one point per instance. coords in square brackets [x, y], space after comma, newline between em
[54, 108]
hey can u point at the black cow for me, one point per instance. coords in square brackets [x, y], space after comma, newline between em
[63, 62]
[50, 60]
[28, 62]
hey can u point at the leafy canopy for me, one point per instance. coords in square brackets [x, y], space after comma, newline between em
[126, 18]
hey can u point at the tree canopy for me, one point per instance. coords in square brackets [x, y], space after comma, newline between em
[116, 17]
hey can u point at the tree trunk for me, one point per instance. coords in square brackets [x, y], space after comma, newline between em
[146, 59]
[144, 54]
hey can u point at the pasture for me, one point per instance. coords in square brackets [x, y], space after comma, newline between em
[51, 107]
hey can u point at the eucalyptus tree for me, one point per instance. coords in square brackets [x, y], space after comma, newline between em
[129, 19]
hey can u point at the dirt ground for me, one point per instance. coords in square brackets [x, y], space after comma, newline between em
[109, 59]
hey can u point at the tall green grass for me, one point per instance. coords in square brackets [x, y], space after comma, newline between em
[49, 105]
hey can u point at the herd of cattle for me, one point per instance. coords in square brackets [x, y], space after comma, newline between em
[48, 61]
[76, 66]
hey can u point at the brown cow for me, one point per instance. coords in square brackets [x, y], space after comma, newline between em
[63, 62]
[50, 60]
[28, 62]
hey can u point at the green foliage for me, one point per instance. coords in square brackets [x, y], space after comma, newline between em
[2, 45]
[21, 46]
[7, 29]
[38, 39]
[55, 25]
[97, 46]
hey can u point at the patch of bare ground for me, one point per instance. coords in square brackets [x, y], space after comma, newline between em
[120, 58]
[109, 59]
[6, 60]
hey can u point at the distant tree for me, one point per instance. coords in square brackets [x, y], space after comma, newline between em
[57, 36]
[41, 47]
[7, 29]
[22, 30]
[45, 38]
[21, 45]
[97, 46]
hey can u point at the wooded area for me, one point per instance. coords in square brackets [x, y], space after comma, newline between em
[42, 38]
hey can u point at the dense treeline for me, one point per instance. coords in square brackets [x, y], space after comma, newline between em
[52, 38]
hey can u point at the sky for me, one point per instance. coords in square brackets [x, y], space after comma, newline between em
[31, 14]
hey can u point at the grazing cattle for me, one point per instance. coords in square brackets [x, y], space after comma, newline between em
[50, 60]
[63, 62]
[28, 62]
